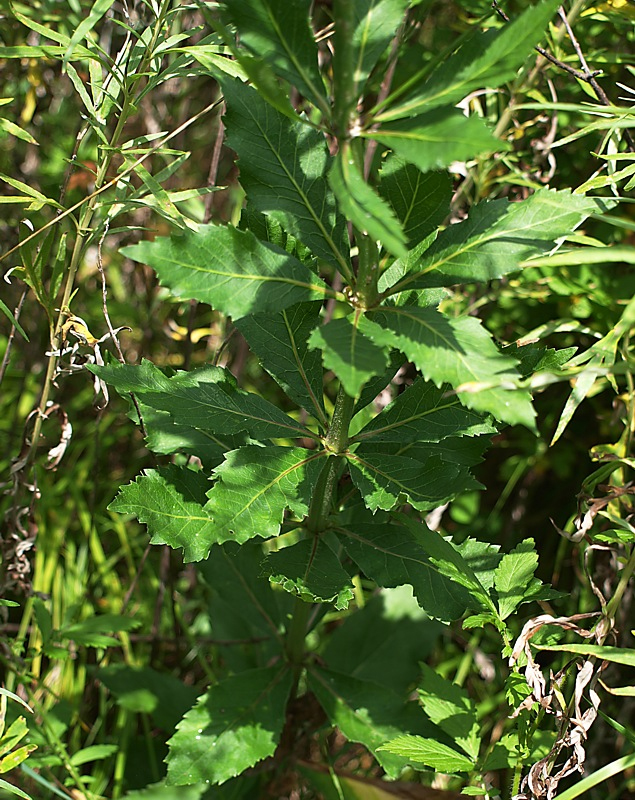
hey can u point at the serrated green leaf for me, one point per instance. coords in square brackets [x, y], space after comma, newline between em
[384, 479]
[229, 269]
[310, 570]
[353, 357]
[458, 351]
[280, 342]
[392, 555]
[514, 575]
[278, 32]
[375, 24]
[437, 138]
[424, 413]
[433, 754]
[486, 60]
[449, 706]
[232, 727]
[283, 167]
[361, 204]
[206, 400]
[366, 712]
[170, 502]
[421, 200]
[254, 486]
[496, 238]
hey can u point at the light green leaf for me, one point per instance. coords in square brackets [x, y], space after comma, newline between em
[437, 138]
[9, 787]
[618, 655]
[384, 480]
[310, 570]
[206, 400]
[254, 486]
[280, 342]
[14, 734]
[458, 351]
[496, 238]
[232, 727]
[283, 166]
[7, 312]
[421, 200]
[429, 752]
[361, 204]
[278, 32]
[95, 752]
[94, 631]
[449, 706]
[15, 130]
[99, 8]
[170, 502]
[375, 24]
[229, 269]
[353, 357]
[514, 575]
[392, 555]
[366, 712]
[424, 413]
[486, 60]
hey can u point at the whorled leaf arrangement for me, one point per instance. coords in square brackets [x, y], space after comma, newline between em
[336, 490]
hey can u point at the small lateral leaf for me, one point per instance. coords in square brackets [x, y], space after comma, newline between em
[429, 752]
[229, 269]
[360, 203]
[353, 357]
[255, 485]
[232, 727]
[311, 571]
[170, 502]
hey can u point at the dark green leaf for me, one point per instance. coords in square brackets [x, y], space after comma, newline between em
[170, 502]
[496, 237]
[437, 138]
[310, 570]
[458, 351]
[232, 727]
[361, 204]
[254, 486]
[376, 22]
[283, 166]
[278, 32]
[376, 385]
[421, 200]
[424, 413]
[280, 342]
[229, 269]
[486, 60]
[392, 555]
[353, 357]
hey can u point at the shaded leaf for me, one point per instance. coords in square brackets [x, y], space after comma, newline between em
[232, 727]
[353, 357]
[283, 166]
[310, 570]
[229, 269]
[375, 24]
[254, 486]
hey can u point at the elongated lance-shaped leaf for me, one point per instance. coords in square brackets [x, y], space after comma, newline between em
[496, 237]
[384, 478]
[486, 60]
[367, 712]
[254, 486]
[278, 32]
[170, 502]
[460, 352]
[280, 342]
[424, 413]
[421, 750]
[283, 167]
[368, 212]
[421, 200]
[353, 357]
[375, 24]
[310, 570]
[438, 137]
[232, 727]
[392, 555]
[207, 399]
[229, 269]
